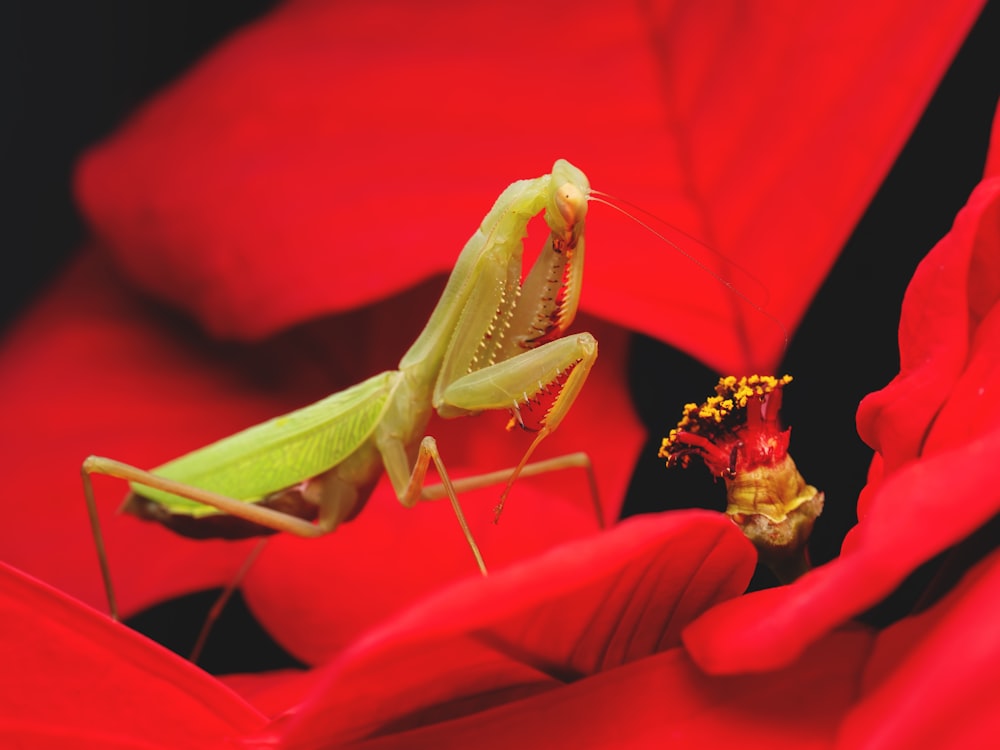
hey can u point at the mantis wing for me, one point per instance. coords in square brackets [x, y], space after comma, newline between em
[280, 452]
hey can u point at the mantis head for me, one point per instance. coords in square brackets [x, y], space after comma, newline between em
[567, 207]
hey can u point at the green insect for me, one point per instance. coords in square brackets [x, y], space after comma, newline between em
[494, 341]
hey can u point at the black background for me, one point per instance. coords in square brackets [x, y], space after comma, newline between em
[72, 71]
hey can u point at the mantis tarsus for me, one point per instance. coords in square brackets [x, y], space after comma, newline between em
[494, 341]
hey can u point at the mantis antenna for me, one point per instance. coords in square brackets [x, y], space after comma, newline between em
[596, 196]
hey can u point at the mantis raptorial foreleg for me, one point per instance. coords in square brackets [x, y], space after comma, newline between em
[565, 361]
[494, 341]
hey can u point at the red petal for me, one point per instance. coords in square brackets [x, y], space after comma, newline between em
[273, 693]
[329, 156]
[951, 293]
[972, 408]
[663, 700]
[76, 679]
[581, 608]
[932, 680]
[334, 157]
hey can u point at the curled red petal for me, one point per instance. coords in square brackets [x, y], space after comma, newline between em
[581, 608]
[938, 322]
[665, 699]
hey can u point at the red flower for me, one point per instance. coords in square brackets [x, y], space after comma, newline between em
[934, 427]
[737, 435]
[271, 186]
[736, 431]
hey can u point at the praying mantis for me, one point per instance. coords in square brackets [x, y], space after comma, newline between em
[493, 342]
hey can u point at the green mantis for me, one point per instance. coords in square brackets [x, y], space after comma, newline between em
[494, 341]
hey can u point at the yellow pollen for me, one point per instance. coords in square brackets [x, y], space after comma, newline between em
[731, 395]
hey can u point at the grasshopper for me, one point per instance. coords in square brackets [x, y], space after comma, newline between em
[493, 342]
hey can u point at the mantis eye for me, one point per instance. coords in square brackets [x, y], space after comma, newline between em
[570, 202]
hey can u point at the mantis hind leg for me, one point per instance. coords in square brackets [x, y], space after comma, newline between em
[410, 489]
[409, 484]
[535, 468]
[222, 600]
[95, 530]
[267, 517]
